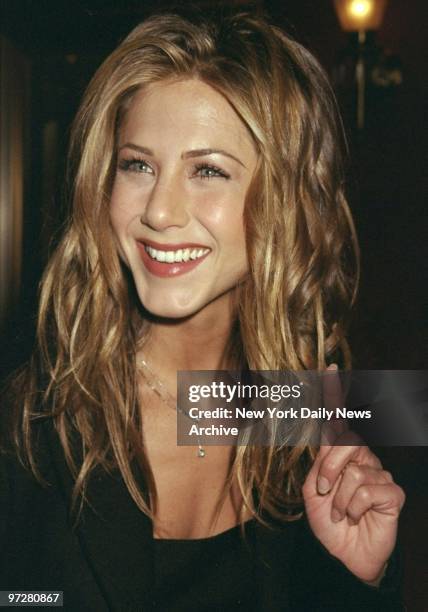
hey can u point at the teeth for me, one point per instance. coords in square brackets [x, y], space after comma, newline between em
[175, 256]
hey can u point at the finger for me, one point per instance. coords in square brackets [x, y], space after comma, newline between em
[332, 389]
[332, 399]
[386, 499]
[330, 472]
[334, 461]
[328, 435]
[331, 430]
[353, 477]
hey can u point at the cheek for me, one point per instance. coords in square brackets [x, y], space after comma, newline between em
[120, 219]
[115, 217]
[224, 219]
[118, 225]
[121, 210]
[116, 210]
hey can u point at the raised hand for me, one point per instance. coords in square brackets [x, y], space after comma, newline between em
[351, 503]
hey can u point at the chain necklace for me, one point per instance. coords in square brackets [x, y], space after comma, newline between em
[159, 387]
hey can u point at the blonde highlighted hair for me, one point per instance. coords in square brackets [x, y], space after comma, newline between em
[291, 312]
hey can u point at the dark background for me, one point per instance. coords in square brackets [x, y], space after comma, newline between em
[65, 41]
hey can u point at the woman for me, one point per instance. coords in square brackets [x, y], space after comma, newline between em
[209, 231]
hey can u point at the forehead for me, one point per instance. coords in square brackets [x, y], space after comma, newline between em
[185, 110]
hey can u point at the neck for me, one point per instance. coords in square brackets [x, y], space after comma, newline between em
[198, 342]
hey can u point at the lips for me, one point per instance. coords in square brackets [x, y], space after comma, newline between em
[166, 260]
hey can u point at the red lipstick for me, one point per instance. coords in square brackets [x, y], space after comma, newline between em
[164, 269]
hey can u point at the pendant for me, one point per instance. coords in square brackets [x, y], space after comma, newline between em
[201, 452]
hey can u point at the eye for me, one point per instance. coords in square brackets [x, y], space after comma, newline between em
[208, 171]
[135, 165]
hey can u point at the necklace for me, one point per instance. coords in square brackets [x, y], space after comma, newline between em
[159, 387]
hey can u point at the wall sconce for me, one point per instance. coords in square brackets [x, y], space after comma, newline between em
[360, 16]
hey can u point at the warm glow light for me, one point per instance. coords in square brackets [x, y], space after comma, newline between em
[360, 8]
[360, 15]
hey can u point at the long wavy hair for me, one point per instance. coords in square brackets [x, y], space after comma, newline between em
[291, 313]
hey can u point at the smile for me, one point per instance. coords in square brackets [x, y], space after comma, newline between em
[170, 262]
[175, 256]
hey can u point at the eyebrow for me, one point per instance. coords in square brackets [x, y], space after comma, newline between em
[186, 155]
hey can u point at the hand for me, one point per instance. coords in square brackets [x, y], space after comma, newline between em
[351, 503]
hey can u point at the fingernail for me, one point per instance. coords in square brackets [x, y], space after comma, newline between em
[333, 367]
[335, 516]
[323, 485]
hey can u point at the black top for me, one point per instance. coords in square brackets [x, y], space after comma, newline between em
[215, 573]
[110, 561]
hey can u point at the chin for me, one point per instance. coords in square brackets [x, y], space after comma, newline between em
[168, 308]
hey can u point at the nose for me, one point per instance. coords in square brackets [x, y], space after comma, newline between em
[166, 205]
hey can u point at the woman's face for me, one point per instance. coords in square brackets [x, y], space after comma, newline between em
[185, 162]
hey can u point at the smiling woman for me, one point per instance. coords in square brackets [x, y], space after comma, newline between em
[209, 230]
[185, 164]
